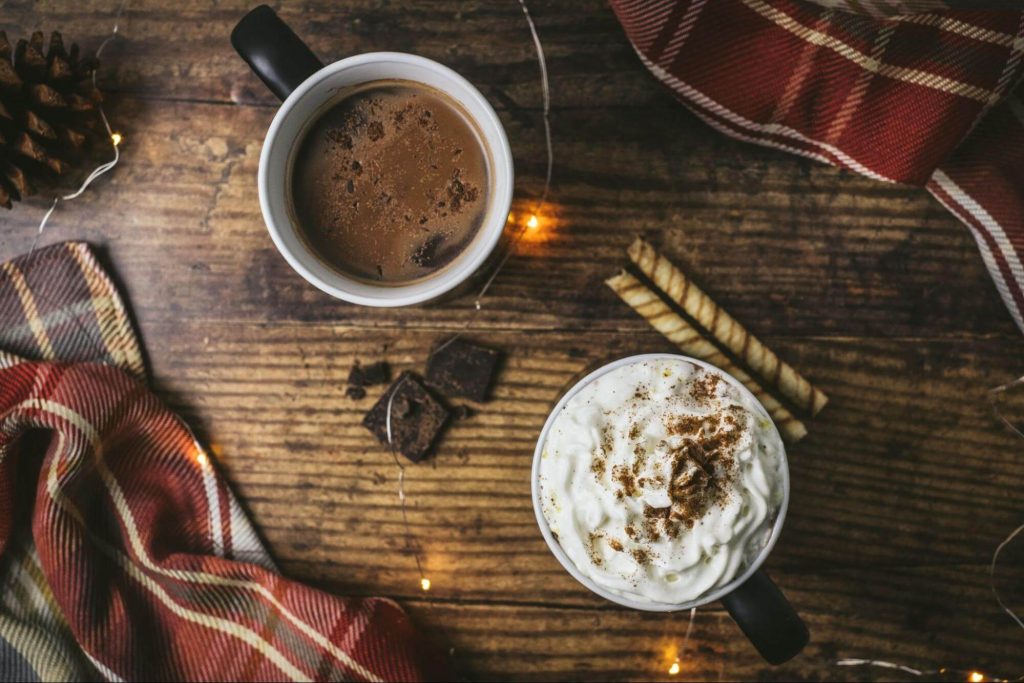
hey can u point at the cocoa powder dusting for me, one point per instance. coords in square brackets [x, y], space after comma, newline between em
[686, 425]
[703, 469]
[625, 478]
[704, 387]
[698, 472]
[642, 557]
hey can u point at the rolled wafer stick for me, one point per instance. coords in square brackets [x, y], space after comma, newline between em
[748, 348]
[655, 311]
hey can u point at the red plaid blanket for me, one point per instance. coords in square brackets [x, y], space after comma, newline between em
[931, 99]
[123, 553]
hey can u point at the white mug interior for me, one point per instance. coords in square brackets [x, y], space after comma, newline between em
[299, 111]
[570, 566]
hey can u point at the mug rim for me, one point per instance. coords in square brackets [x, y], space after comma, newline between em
[570, 566]
[432, 286]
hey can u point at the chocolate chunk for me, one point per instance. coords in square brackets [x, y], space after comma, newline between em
[416, 417]
[461, 368]
[377, 373]
[368, 375]
[355, 392]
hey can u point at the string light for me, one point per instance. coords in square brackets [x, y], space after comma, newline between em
[424, 581]
[202, 459]
[532, 223]
[674, 669]
[115, 140]
[972, 676]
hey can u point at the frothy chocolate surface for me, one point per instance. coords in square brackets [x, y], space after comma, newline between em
[390, 183]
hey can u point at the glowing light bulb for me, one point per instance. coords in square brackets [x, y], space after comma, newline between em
[533, 223]
[976, 677]
[674, 669]
[202, 459]
[425, 582]
[116, 139]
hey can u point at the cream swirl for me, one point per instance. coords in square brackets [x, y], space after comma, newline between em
[661, 480]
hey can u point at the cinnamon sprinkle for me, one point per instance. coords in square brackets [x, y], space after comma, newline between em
[624, 476]
[704, 386]
[703, 470]
[642, 557]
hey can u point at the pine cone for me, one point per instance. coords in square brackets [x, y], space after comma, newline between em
[48, 112]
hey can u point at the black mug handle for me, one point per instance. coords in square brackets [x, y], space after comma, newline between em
[767, 618]
[273, 51]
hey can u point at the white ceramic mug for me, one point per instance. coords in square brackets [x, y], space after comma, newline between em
[294, 74]
[752, 599]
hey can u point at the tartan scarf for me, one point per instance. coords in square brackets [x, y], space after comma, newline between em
[123, 553]
[929, 99]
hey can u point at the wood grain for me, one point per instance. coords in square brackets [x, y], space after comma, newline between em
[940, 619]
[183, 53]
[788, 247]
[902, 489]
[885, 477]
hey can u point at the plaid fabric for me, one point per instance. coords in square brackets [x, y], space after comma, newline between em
[123, 554]
[933, 99]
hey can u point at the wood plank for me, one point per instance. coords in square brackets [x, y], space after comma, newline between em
[184, 52]
[943, 617]
[901, 492]
[788, 246]
[892, 473]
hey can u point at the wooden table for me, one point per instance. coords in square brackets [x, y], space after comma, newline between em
[901, 491]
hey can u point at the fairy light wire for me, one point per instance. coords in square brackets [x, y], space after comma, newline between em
[992, 574]
[478, 301]
[115, 140]
[532, 222]
[676, 665]
[885, 665]
[424, 581]
[113, 137]
[546, 97]
[993, 398]
[970, 676]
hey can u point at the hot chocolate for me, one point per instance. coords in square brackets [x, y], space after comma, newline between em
[390, 182]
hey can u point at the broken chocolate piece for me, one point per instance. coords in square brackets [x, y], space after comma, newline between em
[376, 373]
[461, 368]
[416, 417]
[368, 375]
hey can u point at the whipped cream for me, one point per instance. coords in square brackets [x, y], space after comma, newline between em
[661, 480]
